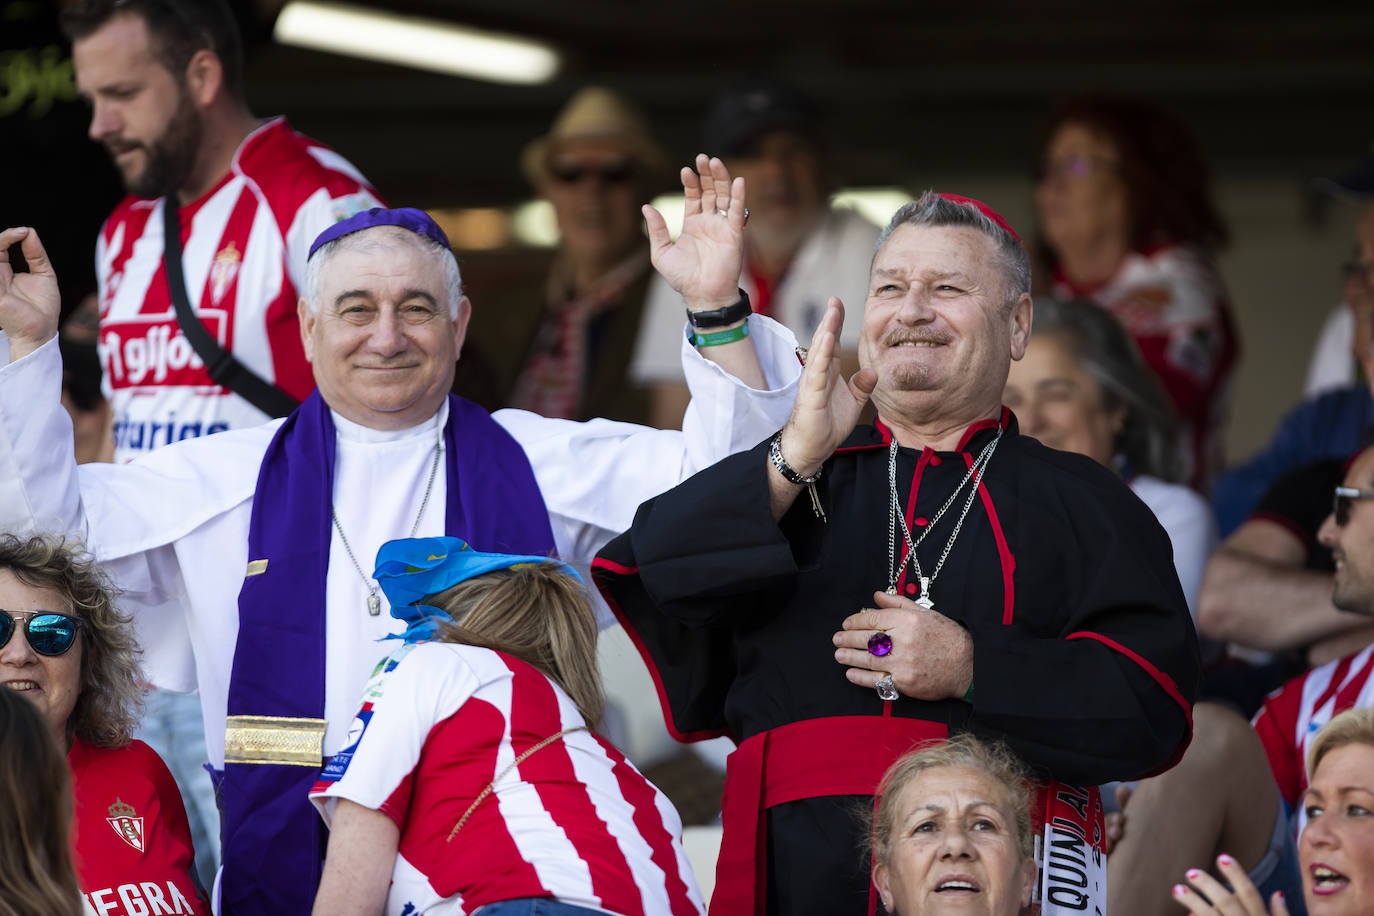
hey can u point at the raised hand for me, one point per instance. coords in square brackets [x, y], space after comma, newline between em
[704, 263]
[29, 302]
[828, 405]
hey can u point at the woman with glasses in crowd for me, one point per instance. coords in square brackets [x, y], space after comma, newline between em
[67, 650]
[1127, 220]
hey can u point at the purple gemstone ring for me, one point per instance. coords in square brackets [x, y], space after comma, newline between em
[879, 644]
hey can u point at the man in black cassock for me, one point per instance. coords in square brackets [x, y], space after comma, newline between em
[943, 574]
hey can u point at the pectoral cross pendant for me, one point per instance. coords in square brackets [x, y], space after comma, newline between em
[374, 605]
[924, 601]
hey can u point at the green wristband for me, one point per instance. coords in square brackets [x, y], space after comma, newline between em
[716, 338]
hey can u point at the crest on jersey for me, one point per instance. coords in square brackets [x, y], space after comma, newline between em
[223, 271]
[126, 823]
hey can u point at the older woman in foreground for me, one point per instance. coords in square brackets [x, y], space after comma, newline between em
[1336, 846]
[952, 826]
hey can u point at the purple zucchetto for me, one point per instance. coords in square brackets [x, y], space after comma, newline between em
[409, 218]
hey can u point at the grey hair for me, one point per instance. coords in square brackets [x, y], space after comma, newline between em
[314, 268]
[930, 209]
[1148, 439]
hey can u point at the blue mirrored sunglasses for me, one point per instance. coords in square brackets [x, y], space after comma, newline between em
[48, 632]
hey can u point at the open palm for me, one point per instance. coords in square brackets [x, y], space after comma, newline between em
[704, 263]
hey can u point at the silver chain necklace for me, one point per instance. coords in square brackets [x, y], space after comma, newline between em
[896, 516]
[374, 601]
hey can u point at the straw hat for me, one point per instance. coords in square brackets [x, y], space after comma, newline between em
[594, 113]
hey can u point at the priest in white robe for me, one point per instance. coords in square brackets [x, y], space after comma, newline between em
[382, 321]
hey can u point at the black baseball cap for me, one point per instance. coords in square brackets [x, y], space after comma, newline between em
[752, 109]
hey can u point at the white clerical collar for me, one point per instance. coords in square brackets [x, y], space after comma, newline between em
[356, 432]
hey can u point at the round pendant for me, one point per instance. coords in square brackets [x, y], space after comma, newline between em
[879, 644]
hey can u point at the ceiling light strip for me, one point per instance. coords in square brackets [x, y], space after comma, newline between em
[412, 41]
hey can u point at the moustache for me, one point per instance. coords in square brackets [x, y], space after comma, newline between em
[115, 147]
[899, 337]
[389, 364]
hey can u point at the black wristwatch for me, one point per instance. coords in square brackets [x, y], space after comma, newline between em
[719, 318]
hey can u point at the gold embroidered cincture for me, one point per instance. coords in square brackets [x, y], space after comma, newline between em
[274, 739]
[256, 568]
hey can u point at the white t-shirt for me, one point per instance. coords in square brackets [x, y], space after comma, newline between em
[1333, 365]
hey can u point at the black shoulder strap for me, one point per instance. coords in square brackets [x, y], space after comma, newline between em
[223, 367]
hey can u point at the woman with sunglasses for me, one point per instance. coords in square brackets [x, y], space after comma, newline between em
[473, 782]
[67, 650]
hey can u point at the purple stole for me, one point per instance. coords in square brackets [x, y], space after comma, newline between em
[273, 839]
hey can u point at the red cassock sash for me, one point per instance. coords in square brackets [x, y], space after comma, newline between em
[815, 758]
[807, 759]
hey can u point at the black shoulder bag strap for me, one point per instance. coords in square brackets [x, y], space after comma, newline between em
[223, 367]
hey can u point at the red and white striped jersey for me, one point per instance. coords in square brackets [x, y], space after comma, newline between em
[574, 820]
[244, 245]
[1292, 714]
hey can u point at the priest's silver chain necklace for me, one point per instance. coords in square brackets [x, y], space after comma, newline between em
[374, 601]
[898, 517]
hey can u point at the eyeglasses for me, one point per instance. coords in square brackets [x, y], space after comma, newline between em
[1074, 167]
[1345, 497]
[1363, 271]
[48, 633]
[611, 173]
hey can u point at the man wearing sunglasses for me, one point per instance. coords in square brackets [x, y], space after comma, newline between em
[558, 343]
[1225, 784]
[244, 556]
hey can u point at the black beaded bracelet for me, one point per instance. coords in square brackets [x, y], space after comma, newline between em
[719, 318]
[788, 473]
